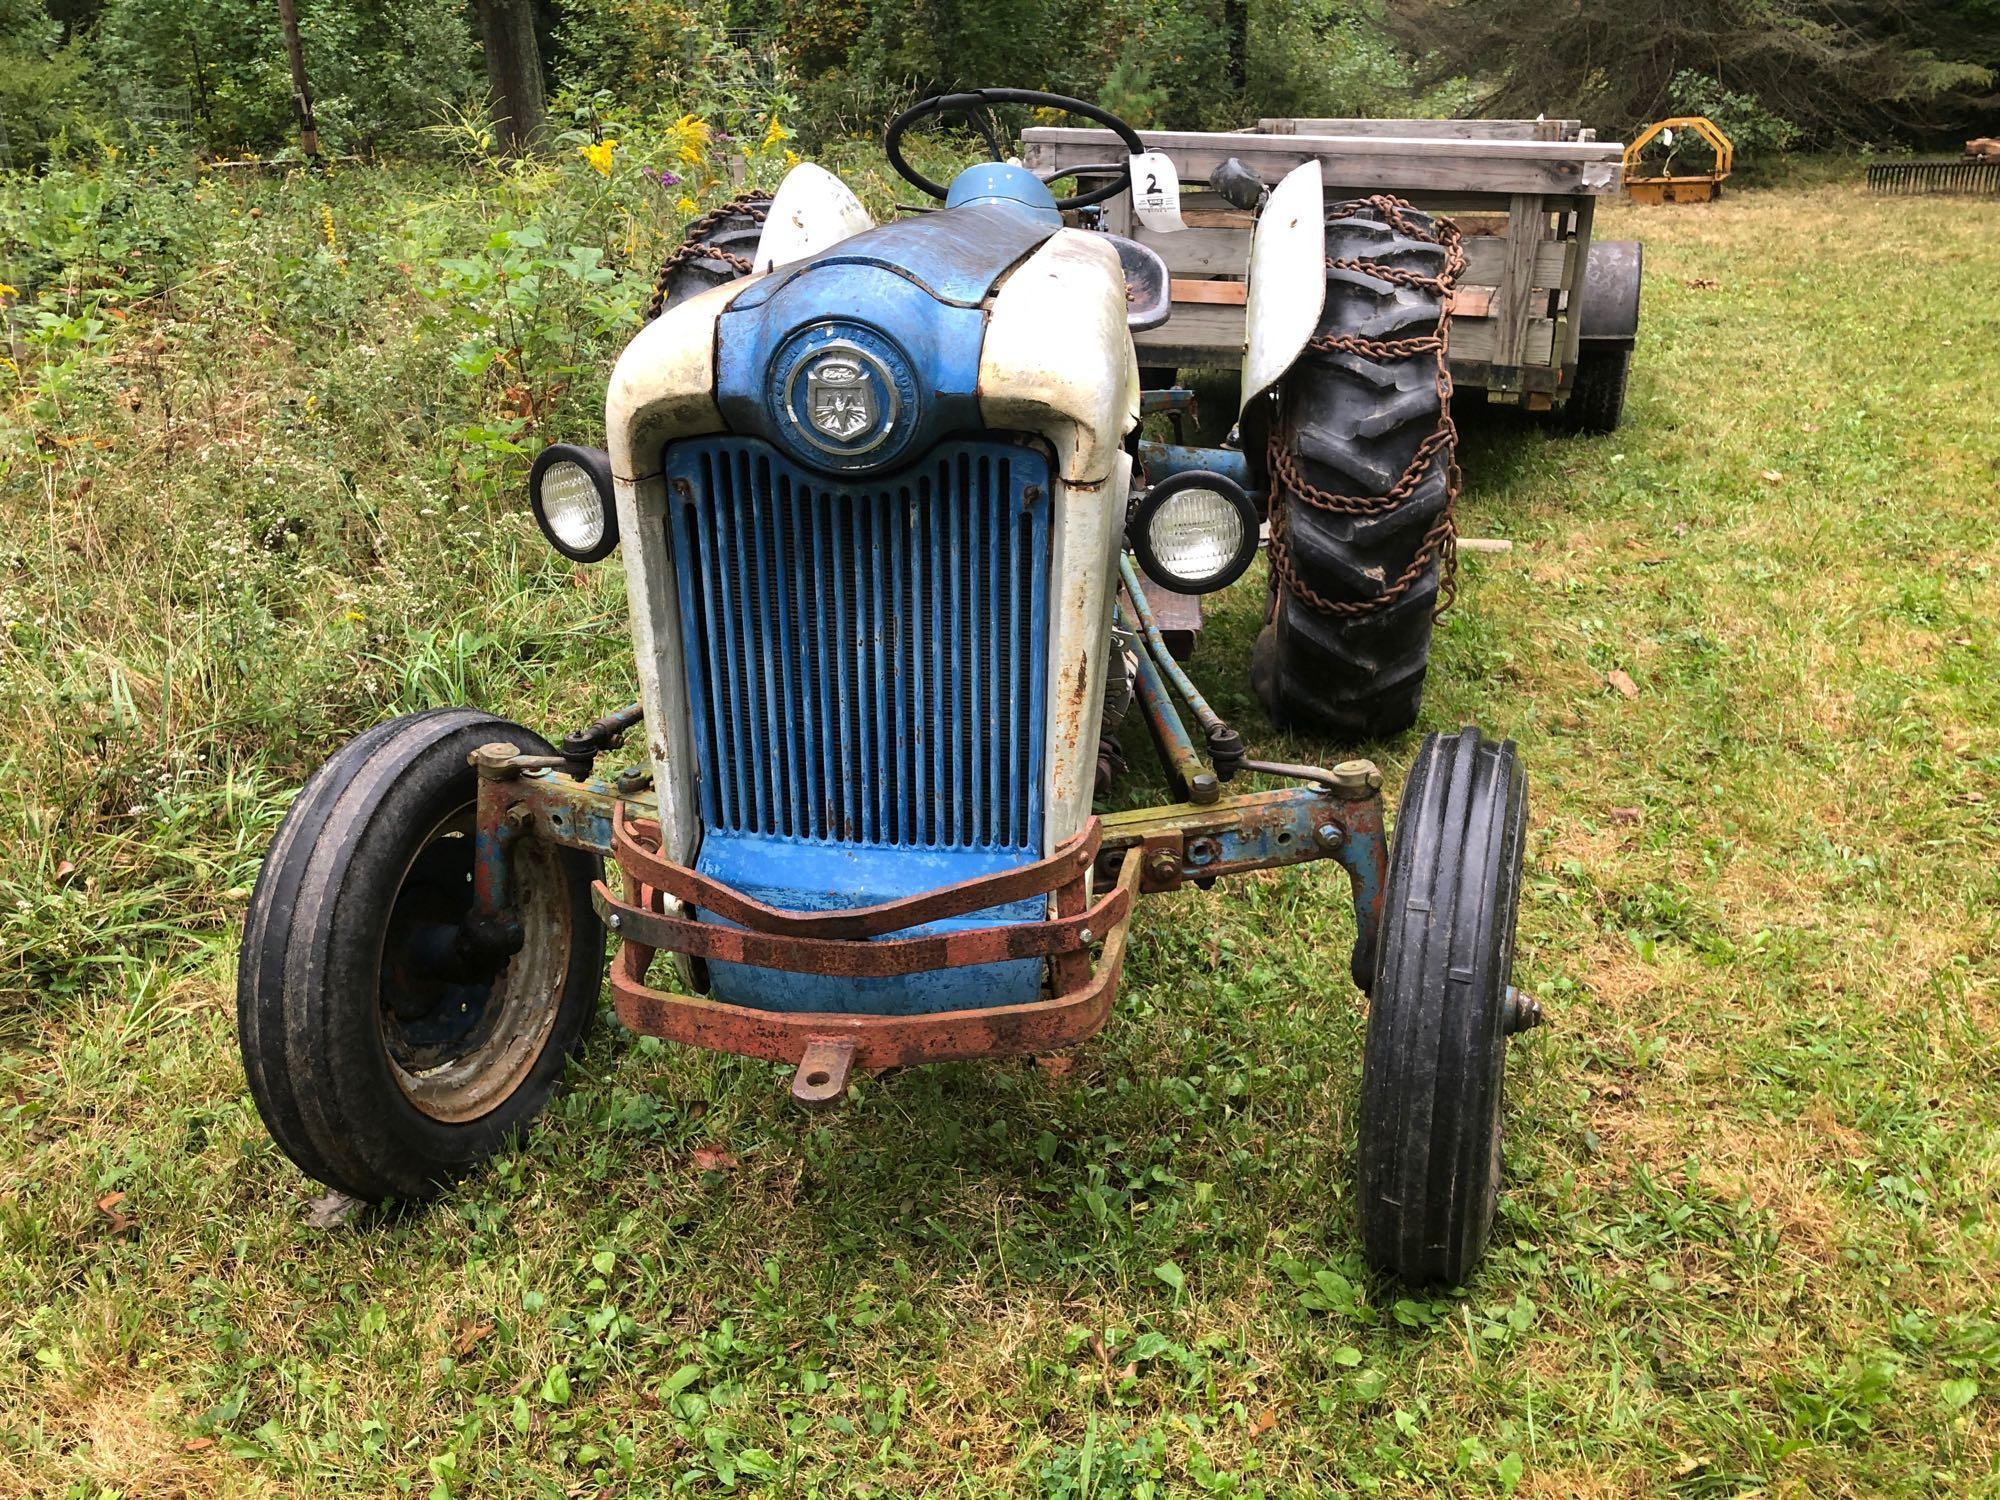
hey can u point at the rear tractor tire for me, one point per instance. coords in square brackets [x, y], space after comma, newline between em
[1354, 425]
[1435, 1061]
[718, 248]
[387, 1052]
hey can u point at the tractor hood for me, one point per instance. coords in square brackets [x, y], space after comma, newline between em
[861, 357]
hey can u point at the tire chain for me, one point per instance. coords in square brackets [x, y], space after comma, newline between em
[756, 204]
[1289, 482]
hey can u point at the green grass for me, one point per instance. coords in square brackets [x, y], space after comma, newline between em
[1747, 1242]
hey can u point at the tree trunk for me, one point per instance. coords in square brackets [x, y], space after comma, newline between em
[302, 99]
[1236, 38]
[514, 72]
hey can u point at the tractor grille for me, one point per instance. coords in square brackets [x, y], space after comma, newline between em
[865, 661]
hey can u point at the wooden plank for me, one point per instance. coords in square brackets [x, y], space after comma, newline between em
[1462, 130]
[1579, 250]
[1359, 163]
[1473, 301]
[1486, 262]
[1213, 333]
[1226, 252]
[1200, 335]
[1215, 293]
[1206, 252]
[1527, 227]
[1473, 340]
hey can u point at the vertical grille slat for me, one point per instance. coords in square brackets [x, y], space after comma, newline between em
[865, 661]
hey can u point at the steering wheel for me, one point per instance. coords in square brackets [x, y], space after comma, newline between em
[980, 99]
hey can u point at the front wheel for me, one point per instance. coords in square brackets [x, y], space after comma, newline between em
[387, 1053]
[1441, 1011]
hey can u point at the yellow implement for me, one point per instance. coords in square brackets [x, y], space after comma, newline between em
[1692, 187]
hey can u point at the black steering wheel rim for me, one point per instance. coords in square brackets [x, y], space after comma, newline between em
[970, 99]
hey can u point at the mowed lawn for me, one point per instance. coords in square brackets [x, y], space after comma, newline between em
[1747, 1240]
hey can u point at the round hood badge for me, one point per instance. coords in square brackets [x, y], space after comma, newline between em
[842, 399]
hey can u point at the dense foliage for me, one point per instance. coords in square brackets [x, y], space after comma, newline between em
[1774, 71]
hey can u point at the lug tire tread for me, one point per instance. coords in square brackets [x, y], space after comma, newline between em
[1355, 423]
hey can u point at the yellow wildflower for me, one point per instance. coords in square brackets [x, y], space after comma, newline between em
[9, 291]
[791, 158]
[689, 138]
[326, 226]
[599, 156]
[686, 204]
[775, 134]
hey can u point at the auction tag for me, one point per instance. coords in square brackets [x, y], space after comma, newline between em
[1156, 191]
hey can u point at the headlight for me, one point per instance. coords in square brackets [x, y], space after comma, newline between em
[574, 504]
[1195, 532]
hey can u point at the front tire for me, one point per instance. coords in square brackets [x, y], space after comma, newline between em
[383, 1060]
[1435, 1061]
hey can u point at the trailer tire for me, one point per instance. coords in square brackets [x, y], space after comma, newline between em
[1441, 1010]
[1596, 402]
[717, 248]
[370, 865]
[1353, 425]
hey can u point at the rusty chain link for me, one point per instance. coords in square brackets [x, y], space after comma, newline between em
[755, 203]
[1288, 479]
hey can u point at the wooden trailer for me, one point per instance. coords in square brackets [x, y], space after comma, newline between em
[1535, 300]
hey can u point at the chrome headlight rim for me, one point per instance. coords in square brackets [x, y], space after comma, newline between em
[1139, 532]
[595, 464]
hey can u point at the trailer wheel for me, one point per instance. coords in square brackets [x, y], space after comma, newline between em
[1353, 423]
[1596, 402]
[386, 1055]
[718, 247]
[1441, 1011]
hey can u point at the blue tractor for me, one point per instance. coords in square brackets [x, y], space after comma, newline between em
[893, 544]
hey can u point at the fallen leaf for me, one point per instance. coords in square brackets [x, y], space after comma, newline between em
[64, 871]
[195, 1445]
[1703, 284]
[1056, 1064]
[1266, 1420]
[713, 1159]
[1619, 679]
[1772, 476]
[108, 1206]
[470, 1333]
[330, 1212]
[1624, 814]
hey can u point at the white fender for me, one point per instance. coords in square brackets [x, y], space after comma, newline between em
[812, 211]
[1287, 279]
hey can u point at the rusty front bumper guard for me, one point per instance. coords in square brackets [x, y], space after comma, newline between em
[857, 943]
[1338, 816]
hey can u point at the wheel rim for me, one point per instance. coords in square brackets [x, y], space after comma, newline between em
[459, 1036]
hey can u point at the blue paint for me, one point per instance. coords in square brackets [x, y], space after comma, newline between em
[956, 256]
[865, 665]
[826, 877]
[1163, 460]
[1003, 182]
[931, 350]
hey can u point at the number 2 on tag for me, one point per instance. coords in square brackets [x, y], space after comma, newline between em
[1156, 191]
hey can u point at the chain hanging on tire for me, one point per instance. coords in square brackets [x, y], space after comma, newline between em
[755, 204]
[1288, 481]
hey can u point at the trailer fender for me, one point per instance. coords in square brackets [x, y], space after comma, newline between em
[812, 211]
[1610, 314]
[1287, 279]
